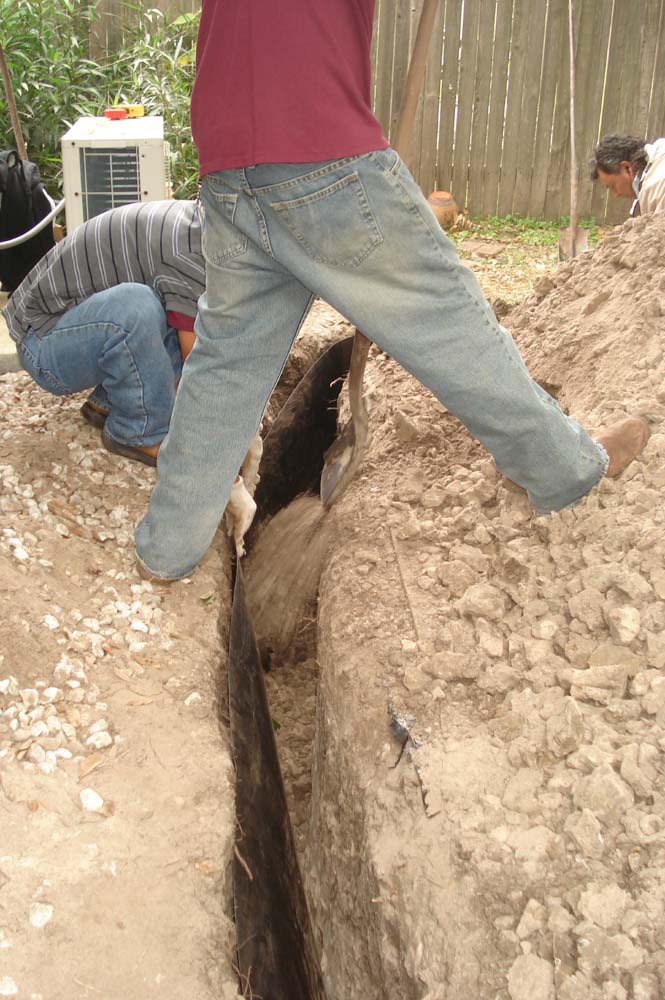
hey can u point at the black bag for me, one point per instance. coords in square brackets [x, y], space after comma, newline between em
[23, 202]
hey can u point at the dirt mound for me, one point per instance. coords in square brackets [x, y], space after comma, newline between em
[594, 327]
[492, 705]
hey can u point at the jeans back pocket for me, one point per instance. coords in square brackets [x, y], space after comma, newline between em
[334, 225]
[220, 239]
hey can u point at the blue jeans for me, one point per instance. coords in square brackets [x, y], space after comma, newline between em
[359, 233]
[117, 341]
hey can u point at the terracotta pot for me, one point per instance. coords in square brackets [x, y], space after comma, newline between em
[443, 205]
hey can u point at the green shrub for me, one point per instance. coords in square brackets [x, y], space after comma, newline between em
[48, 45]
[54, 80]
[156, 68]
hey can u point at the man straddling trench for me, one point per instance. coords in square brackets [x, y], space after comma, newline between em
[112, 306]
[303, 196]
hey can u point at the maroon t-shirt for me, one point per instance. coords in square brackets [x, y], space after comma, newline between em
[283, 81]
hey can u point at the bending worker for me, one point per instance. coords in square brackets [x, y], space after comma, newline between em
[112, 306]
[630, 168]
[303, 196]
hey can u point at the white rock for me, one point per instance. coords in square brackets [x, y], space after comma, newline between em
[624, 624]
[484, 601]
[531, 978]
[99, 740]
[604, 905]
[533, 919]
[99, 726]
[532, 845]
[193, 699]
[36, 754]
[40, 914]
[586, 831]
[91, 801]
[8, 987]
[565, 729]
[521, 790]
[604, 793]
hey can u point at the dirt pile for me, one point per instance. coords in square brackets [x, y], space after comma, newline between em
[116, 787]
[489, 784]
[594, 327]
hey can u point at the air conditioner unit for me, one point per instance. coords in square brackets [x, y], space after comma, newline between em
[108, 163]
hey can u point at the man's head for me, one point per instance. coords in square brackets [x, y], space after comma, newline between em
[616, 161]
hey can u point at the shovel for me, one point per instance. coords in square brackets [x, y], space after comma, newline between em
[346, 453]
[572, 241]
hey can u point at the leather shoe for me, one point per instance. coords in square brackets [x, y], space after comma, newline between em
[127, 450]
[93, 414]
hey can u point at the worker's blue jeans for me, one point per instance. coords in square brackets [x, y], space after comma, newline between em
[359, 233]
[117, 341]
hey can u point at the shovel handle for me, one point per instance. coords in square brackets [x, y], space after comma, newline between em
[573, 145]
[11, 104]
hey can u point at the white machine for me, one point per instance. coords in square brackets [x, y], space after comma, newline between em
[107, 163]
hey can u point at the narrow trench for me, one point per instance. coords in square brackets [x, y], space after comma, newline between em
[276, 953]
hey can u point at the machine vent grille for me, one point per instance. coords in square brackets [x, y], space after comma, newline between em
[110, 177]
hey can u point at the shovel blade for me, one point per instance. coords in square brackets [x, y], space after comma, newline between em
[572, 242]
[339, 465]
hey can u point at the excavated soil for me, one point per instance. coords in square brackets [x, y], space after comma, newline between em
[488, 813]
[485, 813]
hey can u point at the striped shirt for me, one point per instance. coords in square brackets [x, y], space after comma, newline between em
[154, 243]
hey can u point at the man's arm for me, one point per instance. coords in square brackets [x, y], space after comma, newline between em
[186, 340]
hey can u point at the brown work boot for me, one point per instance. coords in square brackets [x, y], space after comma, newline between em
[623, 441]
[145, 574]
[147, 454]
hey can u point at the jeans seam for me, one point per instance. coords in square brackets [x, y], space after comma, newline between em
[314, 175]
[266, 245]
[141, 384]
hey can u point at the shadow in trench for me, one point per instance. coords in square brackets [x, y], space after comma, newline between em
[277, 958]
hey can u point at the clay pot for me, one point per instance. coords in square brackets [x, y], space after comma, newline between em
[443, 205]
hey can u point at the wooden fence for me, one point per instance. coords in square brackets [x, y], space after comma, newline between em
[493, 122]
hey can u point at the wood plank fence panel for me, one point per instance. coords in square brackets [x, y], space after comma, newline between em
[426, 134]
[516, 68]
[529, 111]
[468, 56]
[481, 102]
[385, 51]
[449, 83]
[554, 47]
[650, 27]
[592, 37]
[401, 59]
[493, 121]
[619, 47]
[415, 139]
[656, 121]
[501, 49]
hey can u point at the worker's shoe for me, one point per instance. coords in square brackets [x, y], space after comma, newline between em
[94, 414]
[145, 574]
[147, 455]
[623, 442]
